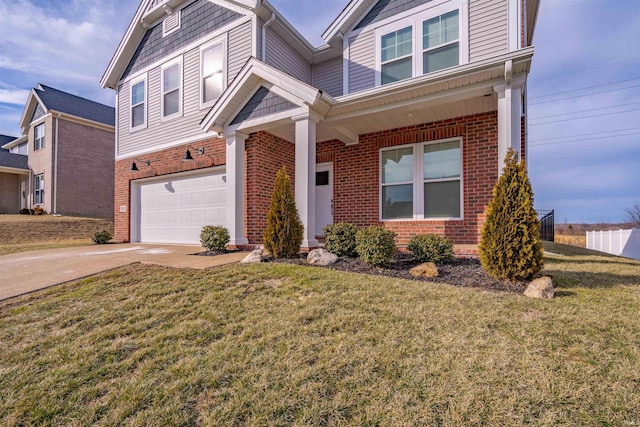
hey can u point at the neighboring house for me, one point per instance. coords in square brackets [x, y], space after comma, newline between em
[14, 173]
[70, 143]
[402, 118]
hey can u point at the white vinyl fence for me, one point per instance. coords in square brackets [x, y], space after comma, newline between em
[624, 243]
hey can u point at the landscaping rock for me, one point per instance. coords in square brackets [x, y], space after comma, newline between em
[321, 257]
[253, 257]
[540, 288]
[427, 269]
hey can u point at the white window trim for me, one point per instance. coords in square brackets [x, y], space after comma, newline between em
[415, 21]
[218, 40]
[132, 83]
[39, 192]
[176, 61]
[418, 182]
[35, 139]
[173, 30]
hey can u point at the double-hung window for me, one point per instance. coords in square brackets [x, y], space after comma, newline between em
[38, 137]
[172, 89]
[139, 103]
[421, 43]
[38, 189]
[422, 181]
[212, 71]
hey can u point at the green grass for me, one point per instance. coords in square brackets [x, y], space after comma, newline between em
[278, 344]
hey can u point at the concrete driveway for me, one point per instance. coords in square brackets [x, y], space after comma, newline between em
[29, 271]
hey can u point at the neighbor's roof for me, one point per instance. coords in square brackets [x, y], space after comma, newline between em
[10, 160]
[63, 102]
[5, 139]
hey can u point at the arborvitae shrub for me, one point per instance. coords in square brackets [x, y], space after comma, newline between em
[101, 237]
[431, 248]
[283, 235]
[340, 239]
[376, 245]
[214, 237]
[510, 247]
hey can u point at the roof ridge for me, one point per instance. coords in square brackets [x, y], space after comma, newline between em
[70, 94]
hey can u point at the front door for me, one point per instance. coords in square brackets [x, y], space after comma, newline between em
[23, 195]
[324, 196]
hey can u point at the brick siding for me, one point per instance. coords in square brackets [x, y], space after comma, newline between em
[163, 162]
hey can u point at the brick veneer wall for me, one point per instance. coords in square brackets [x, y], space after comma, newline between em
[163, 162]
[357, 175]
[265, 154]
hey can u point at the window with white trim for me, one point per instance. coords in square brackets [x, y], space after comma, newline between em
[38, 189]
[38, 137]
[421, 181]
[212, 71]
[138, 103]
[421, 43]
[172, 89]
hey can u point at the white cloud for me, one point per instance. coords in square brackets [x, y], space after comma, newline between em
[16, 96]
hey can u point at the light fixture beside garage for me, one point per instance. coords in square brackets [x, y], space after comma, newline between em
[188, 157]
[134, 166]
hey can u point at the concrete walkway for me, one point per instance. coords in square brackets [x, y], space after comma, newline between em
[30, 271]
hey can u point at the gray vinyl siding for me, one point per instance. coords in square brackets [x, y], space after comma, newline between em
[327, 76]
[488, 28]
[198, 19]
[37, 113]
[387, 8]
[283, 57]
[239, 50]
[362, 61]
[263, 103]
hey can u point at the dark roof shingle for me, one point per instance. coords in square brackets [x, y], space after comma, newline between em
[5, 139]
[67, 103]
[10, 160]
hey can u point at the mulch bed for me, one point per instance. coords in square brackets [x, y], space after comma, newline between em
[462, 272]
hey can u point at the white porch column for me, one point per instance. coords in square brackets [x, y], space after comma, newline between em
[305, 176]
[509, 117]
[235, 188]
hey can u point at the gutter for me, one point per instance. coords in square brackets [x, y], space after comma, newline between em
[264, 36]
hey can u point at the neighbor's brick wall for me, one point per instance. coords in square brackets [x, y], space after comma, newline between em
[85, 170]
[265, 154]
[356, 175]
[162, 163]
[9, 193]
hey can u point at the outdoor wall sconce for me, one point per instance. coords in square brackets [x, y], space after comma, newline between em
[188, 157]
[134, 166]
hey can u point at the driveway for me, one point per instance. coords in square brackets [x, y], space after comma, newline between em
[29, 271]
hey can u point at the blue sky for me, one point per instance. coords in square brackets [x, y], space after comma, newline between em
[584, 88]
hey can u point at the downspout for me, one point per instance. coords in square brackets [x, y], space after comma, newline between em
[55, 170]
[264, 36]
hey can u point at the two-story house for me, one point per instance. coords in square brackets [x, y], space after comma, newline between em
[69, 142]
[403, 118]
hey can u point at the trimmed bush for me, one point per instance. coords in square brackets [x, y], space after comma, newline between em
[510, 247]
[376, 245]
[340, 239]
[26, 211]
[101, 237]
[431, 248]
[283, 235]
[214, 237]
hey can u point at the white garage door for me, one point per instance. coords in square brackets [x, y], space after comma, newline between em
[174, 209]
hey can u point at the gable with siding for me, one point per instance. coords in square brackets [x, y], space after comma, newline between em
[387, 8]
[263, 103]
[198, 19]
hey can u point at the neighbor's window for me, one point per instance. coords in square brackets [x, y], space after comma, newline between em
[440, 42]
[38, 135]
[421, 181]
[396, 62]
[171, 88]
[38, 189]
[212, 72]
[138, 104]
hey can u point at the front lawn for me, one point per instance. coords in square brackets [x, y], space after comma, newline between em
[278, 344]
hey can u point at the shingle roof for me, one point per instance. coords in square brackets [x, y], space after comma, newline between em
[10, 160]
[5, 139]
[64, 102]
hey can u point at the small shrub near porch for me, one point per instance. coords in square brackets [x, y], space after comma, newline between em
[214, 237]
[283, 235]
[376, 245]
[431, 248]
[340, 239]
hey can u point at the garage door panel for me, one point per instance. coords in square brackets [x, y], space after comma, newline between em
[175, 210]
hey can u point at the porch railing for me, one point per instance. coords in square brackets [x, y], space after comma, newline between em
[547, 225]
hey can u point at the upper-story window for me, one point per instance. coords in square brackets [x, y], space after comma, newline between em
[421, 43]
[172, 89]
[38, 137]
[139, 103]
[212, 71]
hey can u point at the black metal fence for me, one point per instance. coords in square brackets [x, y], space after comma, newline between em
[547, 225]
